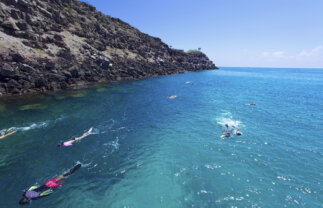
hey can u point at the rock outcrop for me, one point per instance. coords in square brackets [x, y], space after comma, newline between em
[47, 45]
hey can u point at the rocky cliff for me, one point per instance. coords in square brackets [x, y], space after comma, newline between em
[56, 44]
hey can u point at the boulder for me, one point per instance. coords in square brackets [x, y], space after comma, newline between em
[41, 82]
[13, 84]
[56, 27]
[15, 14]
[66, 54]
[45, 13]
[20, 34]
[18, 77]
[6, 71]
[50, 65]
[26, 85]
[63, 85]
[74, 73]
[15, 91]
[26, 68]
[67, 74]
[61, 44]
[16, 57]
[105, 65]
[48, 39]
[10, 24]
[25, 35]
[58, 37]
[2, 13]
[55, 77]
[24, 3]
[22, 25]
[7, 67]
[10, 1]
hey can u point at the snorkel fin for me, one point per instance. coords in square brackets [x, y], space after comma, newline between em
[71, 171]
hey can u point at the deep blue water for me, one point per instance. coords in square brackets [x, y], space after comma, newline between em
[150, 151]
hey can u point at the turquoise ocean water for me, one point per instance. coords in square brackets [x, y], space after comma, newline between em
[150, 151]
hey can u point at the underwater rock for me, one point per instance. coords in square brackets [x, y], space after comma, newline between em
[32, 107]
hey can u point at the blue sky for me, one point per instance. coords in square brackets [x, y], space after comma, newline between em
[265, 33]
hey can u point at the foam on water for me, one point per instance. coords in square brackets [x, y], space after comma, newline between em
[114, 144]
[30, 127]
[95, 131]
[227, 118]
[33, 126]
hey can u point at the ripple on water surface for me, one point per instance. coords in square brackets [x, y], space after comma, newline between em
[149, 151]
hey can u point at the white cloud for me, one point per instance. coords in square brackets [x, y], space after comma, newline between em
[265, 54]
[278, 54]
[280, 58]
[314, 52]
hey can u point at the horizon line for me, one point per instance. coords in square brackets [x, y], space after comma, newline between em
[268, 67]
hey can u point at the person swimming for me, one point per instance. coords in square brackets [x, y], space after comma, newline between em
[236, 131]
[226, 132]
[7, 132]
[70, 142]
[37, 192]
[229, 132]
[239, 133]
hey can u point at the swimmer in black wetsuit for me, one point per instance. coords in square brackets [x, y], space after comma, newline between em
[37, 192]
[236, 131]
[251, 104]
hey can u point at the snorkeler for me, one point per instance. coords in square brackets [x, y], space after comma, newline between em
[172, 97]
[226, 132]
[229, 132]
[7, 132]
[37, 192]
[70, 142]
[236, 131]
[251, 104]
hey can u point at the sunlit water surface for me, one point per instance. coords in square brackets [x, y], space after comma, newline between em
[150, 151]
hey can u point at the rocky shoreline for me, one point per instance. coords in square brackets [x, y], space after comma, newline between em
[54, 45]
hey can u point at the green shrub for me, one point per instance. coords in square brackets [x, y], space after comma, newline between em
[39, 50]
[77, 24]
[192, 51]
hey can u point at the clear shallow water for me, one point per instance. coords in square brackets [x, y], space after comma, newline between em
[150, 151]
